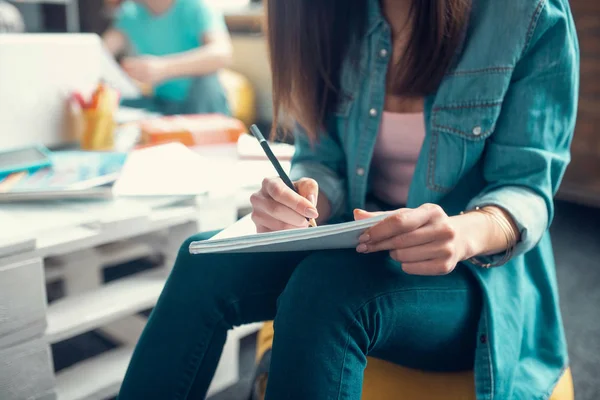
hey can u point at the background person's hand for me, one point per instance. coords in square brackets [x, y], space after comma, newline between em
[276, 207]
[425, 240]
[148, 70]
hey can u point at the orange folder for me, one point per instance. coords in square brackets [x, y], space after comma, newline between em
[192, 130]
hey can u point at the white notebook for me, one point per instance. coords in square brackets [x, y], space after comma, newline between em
[326, 237]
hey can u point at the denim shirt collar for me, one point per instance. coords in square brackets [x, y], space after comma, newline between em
[374, 16]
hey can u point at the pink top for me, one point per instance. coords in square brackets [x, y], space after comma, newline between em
[396, 152]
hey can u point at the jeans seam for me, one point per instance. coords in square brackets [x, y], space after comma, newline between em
[194, 363]
[344, 359]
[362, 306]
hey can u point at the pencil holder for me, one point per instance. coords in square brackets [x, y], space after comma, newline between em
[98, 133]
[74, 124]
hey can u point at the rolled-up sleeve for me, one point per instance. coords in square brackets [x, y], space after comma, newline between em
[324, 162]
[527, 155]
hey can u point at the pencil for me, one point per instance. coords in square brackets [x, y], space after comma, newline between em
[284, 177]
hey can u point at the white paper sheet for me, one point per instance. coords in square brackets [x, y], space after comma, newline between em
[243, 227]
[112, 73]
[166, 170]
[249, 148]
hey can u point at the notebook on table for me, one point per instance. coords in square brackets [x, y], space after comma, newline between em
[74, 175]
[326, 237]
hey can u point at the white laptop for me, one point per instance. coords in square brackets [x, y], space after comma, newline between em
[38, 72]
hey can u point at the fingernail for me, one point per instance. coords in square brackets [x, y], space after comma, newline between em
[311, 213]
[362, 248]
[364, 238]
[313, 199]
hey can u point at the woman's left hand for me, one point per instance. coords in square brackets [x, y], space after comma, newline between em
[425, 240]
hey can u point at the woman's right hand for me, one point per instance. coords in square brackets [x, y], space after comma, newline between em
[276, 207]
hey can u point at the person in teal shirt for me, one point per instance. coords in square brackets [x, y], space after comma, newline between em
[177, 46]
[459, 277]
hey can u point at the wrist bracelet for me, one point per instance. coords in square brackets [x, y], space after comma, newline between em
[509, 234]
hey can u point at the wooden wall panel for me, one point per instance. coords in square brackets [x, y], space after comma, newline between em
[582, 181]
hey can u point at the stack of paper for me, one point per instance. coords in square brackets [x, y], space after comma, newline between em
[338, 236]
[166, 170]
[249, 148]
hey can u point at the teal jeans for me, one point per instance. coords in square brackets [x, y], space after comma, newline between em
[206, 96]
[331, 309]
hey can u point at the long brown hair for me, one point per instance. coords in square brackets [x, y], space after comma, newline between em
[309, 40]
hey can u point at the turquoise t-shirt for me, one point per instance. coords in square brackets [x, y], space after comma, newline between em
[177, 30]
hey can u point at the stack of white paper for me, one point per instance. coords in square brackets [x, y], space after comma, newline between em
[249, 148]
[166, 170]
[338, 236]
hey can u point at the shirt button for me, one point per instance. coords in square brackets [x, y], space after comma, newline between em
[373, 112]
[483, 339]
[360, 171]
[477, 131]
[383, 53]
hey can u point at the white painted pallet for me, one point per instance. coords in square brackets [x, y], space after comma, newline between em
[15, 245]
[125, 251]
[100, 377]
[93, 231]
[97, 378]
[76, 314]
[83, 241]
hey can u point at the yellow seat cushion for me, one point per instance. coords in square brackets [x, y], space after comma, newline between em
[384, 380]
[240, 95]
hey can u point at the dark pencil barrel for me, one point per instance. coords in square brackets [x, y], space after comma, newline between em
[275, 162]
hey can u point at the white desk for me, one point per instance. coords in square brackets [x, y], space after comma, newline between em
[244, 175]
[73, 242]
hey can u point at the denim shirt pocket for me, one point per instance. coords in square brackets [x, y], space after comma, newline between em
[461, 125]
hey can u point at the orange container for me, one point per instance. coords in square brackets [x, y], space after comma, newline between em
[98, 133]
[93, 123]
[192, 130]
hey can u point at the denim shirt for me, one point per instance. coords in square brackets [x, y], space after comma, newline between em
[498, 132]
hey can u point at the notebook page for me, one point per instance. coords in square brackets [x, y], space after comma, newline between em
[244, 227]
[339, 236]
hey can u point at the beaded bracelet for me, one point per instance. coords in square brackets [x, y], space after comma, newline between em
[509, 234]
